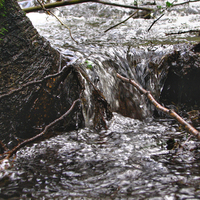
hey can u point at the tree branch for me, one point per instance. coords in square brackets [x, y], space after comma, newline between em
[171, 5]
[167, 111]
[121, 22]
[186, 2]
[54, 5]
[155, 22]
[124, 6]
[182, 32]
[22, 144]
[49, 12]
[34, 82]
[73, 2]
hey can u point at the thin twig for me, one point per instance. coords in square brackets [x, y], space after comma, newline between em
[121, 22]
[70, 33]
[155, 22]
[182, 32]
[158, 18]
[33, 82]
[186, 2]
[124, 6]
[49, 12]
[167, 111]
[22, 144]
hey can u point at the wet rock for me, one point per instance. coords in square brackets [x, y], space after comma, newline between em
[182, 84]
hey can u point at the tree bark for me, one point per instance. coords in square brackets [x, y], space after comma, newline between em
[27, 57]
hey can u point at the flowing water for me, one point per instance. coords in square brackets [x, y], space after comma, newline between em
[129, 160]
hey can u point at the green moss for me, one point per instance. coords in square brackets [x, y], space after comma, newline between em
[3, 30]
[2, 8]
[3, 13]
[2, 3]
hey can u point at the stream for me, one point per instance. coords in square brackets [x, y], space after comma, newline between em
[131, 159]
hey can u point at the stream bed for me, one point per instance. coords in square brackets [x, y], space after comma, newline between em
[131, 159]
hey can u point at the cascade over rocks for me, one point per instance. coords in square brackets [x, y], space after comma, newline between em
[172, 78]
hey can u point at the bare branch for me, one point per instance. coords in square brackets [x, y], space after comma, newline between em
[33, 82]
[182, 32]
[155, 22]
[22, 144]
[167, 111]
[73, 2]
[54, 5]
[121, 22]
[49, 12]
[124, 6]
[186, 2]
[172, 5]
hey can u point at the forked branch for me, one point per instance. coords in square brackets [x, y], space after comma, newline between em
[167, 111]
